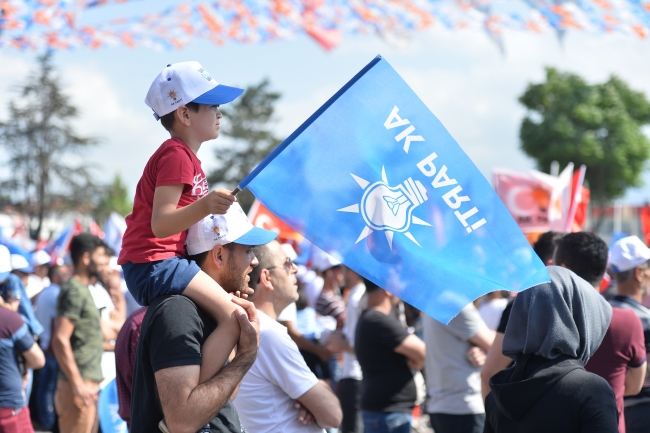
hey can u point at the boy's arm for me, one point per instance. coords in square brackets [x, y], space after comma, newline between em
[167, 219]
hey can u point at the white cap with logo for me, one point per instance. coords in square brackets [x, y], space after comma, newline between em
[233, 227]
[628, 253]
[184, 82]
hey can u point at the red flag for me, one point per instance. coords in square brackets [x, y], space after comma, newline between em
[644, 216]
[260, 216]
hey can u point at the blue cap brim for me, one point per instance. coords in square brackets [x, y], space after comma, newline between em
[219, 95]
[256, 236]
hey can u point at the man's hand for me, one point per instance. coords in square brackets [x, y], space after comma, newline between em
[249, 322]
[86, 392]
[337, 342]
[476, 356]
[304, 416]
[244, 294]
[218, 201]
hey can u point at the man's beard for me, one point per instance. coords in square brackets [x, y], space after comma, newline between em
[232, 280]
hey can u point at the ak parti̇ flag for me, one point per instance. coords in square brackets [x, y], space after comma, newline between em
[375, 179]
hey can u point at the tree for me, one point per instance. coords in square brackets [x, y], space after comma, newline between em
[41, 143]
[248, 123]
[113, 198]
[597, 125]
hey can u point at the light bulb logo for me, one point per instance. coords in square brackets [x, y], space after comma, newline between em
[389, 209]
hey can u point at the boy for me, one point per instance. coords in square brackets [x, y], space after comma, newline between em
[171, 196]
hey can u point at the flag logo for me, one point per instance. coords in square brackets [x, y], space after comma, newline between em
[388, 209]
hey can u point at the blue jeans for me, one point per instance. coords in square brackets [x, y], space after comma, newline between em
[386, 422]
[637, 418]
[45, 393]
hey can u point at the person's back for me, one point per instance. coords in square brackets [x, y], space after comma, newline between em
[561, 399]
[453, 383]
[620, 359]
[386, 353]
[554, 329]
[622, 349]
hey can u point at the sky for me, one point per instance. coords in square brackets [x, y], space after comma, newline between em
[466, 81]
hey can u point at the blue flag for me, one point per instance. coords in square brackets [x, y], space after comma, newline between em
[375, 179]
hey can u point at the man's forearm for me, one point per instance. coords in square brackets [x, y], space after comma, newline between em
[207, 399]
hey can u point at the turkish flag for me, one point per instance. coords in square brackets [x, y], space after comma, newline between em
[260, 216]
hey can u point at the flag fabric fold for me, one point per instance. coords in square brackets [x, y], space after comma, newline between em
[375, 179]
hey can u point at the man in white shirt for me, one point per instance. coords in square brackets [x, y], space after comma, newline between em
[279, 377]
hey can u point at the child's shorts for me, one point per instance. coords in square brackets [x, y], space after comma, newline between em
[147, 281]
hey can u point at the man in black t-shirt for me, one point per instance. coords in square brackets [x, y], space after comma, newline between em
[386, 353]
[167, 368]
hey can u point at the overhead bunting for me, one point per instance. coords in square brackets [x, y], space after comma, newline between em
[59, 24]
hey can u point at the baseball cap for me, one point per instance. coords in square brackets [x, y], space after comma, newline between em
[184, 82]
[20, 263]
[233, 227]
[40, 257]
[321, 261]
[628, 253]
[5, 263]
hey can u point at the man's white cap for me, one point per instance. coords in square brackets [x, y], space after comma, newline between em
[40, 257]
[185, 82]
[216, 230]
[20, 263]
[628, 253]
[321, 261]
[5, 263]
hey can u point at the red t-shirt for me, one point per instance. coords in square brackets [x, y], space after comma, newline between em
[173, 163]
[622, 347]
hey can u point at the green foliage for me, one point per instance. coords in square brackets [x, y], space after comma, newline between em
[248, 122]
[596, 125]
[42, 146]
[114, 198]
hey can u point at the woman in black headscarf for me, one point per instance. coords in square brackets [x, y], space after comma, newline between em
[554, 329]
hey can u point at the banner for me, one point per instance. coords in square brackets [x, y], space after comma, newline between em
[374, 179]
[540, 202]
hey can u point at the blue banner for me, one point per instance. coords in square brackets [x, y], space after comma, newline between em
[376, 180]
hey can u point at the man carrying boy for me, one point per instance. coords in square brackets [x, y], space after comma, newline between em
[167, 368]
[171, 196]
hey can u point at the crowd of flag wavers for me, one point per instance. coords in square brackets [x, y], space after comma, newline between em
[203, 322]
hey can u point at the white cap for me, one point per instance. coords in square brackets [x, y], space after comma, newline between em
[321, 261]
[628, 253]
[234, 227]
[289, 251]
[5, 263]
[40, 257]
[20, 263]
[185, 82]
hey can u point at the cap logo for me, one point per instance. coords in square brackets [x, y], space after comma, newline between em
[172, 94]
[205, 74]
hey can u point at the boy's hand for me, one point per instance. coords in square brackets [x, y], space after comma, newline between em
[218, 201]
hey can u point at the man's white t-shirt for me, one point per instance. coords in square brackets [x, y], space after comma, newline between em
[265, 400]
[351, 368]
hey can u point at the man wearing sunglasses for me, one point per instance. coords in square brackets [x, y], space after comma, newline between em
[279, 392]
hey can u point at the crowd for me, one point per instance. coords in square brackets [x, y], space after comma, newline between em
[207, 323]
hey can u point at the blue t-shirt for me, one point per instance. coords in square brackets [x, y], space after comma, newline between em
[14, 338]
[14, 285]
